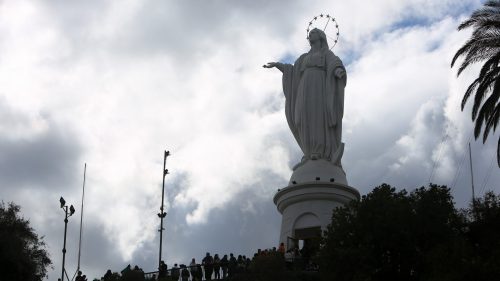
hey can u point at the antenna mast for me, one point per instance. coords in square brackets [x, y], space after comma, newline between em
[81, 219]
[472, 176]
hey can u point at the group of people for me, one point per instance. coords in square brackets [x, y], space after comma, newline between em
[128, 273]
[210, 266]
[79, 277]
[214, 266]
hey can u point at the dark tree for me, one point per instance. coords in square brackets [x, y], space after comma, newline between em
[484, 45]
[393, 235]
[22, 253]
[482, 235]
[267, 268]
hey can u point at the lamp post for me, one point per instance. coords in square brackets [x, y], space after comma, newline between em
[66, 216]
[162, 214]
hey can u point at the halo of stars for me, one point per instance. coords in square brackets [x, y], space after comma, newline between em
[330, 20]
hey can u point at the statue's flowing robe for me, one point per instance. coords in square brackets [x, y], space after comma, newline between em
[315, 104]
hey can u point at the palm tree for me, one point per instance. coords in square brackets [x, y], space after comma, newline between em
[483, 45]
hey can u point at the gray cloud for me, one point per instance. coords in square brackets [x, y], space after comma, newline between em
[30, 157]
[183, 30]
[247, 223]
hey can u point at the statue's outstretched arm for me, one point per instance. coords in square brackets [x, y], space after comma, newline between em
[278, 65]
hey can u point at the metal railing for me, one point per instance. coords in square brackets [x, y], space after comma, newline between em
[154, 275]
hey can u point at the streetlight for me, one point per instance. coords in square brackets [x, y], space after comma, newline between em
[162, 214]
[66, 216]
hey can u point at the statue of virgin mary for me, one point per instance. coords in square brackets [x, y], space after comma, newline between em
[314, 91]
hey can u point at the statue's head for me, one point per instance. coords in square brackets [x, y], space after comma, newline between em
[316, 35]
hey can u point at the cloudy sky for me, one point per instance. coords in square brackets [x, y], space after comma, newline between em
[115, 83]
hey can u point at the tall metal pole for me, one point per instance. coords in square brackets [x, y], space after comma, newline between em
[162, 214]
[472, 176]
[81, 218]
[65, 208]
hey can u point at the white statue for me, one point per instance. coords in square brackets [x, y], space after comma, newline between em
[314, 92]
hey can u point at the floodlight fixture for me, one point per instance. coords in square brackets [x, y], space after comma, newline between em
[66, 215]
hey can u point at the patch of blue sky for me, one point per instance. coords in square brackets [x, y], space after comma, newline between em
[288, 58]
[348, 56]
[463, 9]
[460, 8]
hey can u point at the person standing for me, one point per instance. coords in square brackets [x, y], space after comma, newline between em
[184, 273]
[108, 275]
[232, 265]
[193, 268]
[224, 264]
[208, 263]
[216, 267]
[199, 272]
[281, 249]
[79, 276]
[175, 273]
[162, 270]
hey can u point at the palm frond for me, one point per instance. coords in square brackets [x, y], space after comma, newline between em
[481, 15]
[487, 30]
[482, 89]
[498, 152]
[478, 20]
[495, 118]
[492, 122]
[469, 91]
[488, 27]
[475, 55]
[482, 81]
[477, 49]
[492, 3]
[489, 65]
[486, 111]
[491, 109]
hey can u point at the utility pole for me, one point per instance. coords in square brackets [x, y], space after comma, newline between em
[66, 216]
[162, 214]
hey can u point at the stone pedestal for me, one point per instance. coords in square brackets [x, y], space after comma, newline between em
[316, 187]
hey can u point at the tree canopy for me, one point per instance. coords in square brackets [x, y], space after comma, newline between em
[22, 252]
[397, 235]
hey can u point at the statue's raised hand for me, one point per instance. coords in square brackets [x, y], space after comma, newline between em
[270, 64]
[278, 65]
[340, 73]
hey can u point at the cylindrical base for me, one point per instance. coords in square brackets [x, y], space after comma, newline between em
[307, 208]
[317, 170]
